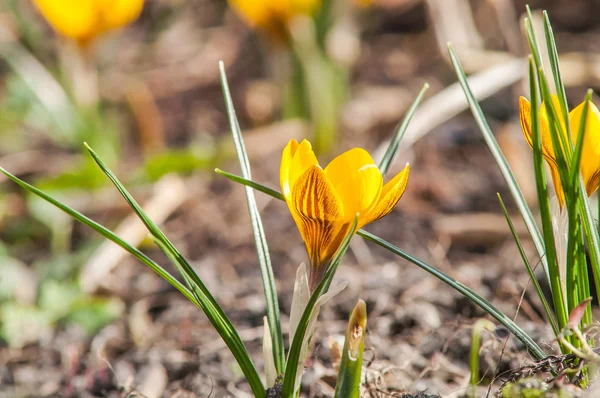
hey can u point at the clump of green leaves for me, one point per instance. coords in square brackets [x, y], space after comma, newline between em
[567, 224]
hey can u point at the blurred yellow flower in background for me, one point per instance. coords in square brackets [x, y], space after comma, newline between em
[84, 20]
[363, 3]
[273, 16]
[324, 202]
[590, 157]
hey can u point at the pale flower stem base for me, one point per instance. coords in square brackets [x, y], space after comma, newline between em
[560, 227]
[300, 300]
[79, 64]
[269, 361]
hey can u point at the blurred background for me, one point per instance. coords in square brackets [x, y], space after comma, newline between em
[139, 82]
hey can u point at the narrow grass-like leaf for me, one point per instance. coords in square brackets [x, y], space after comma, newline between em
[561, 139]
[532, 39]
[544, 87]
[348, 381]
[462, 289]
[584, 280]
[549, 314]
[188, 281]
[252, 184]
[507, 173]
[209, 305]
[289, 379]
[562, 148]
[108, 234]
[397, 138]
[544, 202]
[583, 277]
[465, 291]
[554, 66]
[592, 236]
[561, 144]
[262, 248]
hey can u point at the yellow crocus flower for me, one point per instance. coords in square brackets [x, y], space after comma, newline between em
[325, 202]
[590, 157]
[273, 16]
[84, 20]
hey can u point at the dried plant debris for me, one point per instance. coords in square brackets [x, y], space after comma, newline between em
[420, 395]
[534, 388]
[556, 367]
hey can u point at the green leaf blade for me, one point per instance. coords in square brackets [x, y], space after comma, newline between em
[544, 202]
[262, 248]
[105, 232]
[208, 303]
[549, 314]
[505, 169]
[464, 290]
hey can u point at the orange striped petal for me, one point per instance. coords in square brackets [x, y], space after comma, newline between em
[390, 195]
[302, 159]
[319, 215]
[284, 169]
[590, 157]
[560, 195]
[357, 181]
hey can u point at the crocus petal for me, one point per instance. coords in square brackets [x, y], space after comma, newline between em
[357, 181]
[320, 218]
[590, 157]
[547, 148]
[525, 116]
[390, 195]
[560, 195]
[302, 159]
[284, 169]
